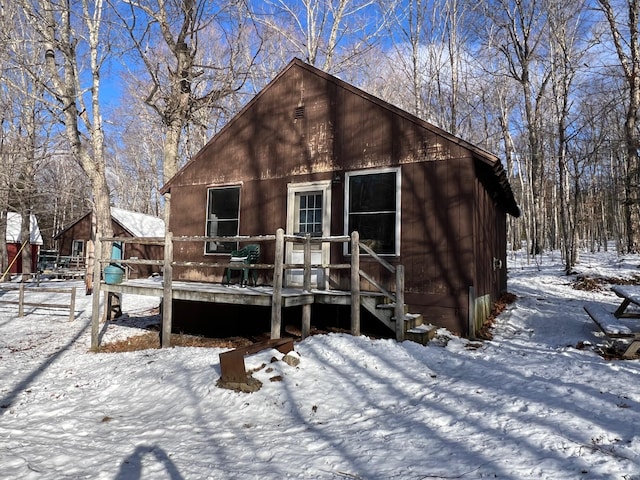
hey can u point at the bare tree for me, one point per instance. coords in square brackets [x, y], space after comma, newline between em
[568, 47]
[413, 29]
[23, 122]
[517, 30]
[135, 170]
[183, 81]
[625, 37]
[66, 30]
[329, 34]
[4, 196]
[440, 60]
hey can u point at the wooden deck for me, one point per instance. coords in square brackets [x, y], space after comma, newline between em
[231, 294]
[276, 297]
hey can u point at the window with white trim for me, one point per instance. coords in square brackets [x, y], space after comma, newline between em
[223, 217]
[308, 206]
[373, 209]
[77, 248]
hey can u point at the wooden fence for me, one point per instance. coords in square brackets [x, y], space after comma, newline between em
[21, 302]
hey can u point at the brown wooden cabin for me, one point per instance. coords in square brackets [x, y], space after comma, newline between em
[313, 154]
[73, 239]
[14, 242]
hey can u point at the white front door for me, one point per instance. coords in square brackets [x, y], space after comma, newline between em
[308, 212]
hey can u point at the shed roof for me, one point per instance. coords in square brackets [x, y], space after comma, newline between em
[14, 227]
[501, 182]
[137, 224]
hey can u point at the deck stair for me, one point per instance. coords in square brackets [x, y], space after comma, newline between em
[384, 310]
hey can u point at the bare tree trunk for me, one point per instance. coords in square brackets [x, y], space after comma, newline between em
[187, 91]
[66, 31]
[60, 38]
[516, 31]
[628, 51]
[4, 203]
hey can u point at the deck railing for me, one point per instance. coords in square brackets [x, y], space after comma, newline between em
[278, 268]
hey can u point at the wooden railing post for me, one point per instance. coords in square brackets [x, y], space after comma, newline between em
[278, 273]
[306, 308]
[355, 283]
[72, 304]
[167, 291]
[399, 308]
[95, 305]
[306, 283]
[21, 300]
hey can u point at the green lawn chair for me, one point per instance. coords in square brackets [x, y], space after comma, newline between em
[240, 259]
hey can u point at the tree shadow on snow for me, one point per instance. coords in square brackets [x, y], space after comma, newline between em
[8, 401]
[131, 467]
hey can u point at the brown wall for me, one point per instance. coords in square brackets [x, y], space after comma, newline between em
[268, 146]
[81, 230]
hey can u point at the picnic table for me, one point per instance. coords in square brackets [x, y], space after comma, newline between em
[630, 294]
[612, 322]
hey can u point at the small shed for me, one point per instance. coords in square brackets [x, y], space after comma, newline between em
[315, 155]
[15, 241]
[73, 239]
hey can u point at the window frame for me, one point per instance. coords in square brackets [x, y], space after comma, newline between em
[75, 242]
[322, 186]
[397, 213]
[317, 207]
[210, 189]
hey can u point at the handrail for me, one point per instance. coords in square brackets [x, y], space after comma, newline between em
[262, 266]
[396, 298]
[278, 267]
[378, 258]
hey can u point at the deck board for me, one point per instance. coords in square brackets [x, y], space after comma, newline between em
[218, 293]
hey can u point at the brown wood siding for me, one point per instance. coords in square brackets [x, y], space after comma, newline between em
[490, 227]
[338, 131]
[437, 239]
[16, 263]
[81, 230]
[304, 128]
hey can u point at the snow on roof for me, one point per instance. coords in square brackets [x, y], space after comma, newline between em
[138, 224]
[14, 225]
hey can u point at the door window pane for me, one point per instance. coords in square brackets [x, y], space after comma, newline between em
[309, 218]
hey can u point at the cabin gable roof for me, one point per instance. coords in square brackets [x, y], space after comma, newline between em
[483, 159]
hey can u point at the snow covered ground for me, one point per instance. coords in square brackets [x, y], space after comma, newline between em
[527, 404]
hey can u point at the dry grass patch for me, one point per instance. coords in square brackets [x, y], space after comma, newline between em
[151, 340]
[596, 284]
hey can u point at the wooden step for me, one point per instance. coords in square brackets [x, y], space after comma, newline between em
[371, 304]
[421, 334]
[390, 307]
[385, 312]
[412, 320]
